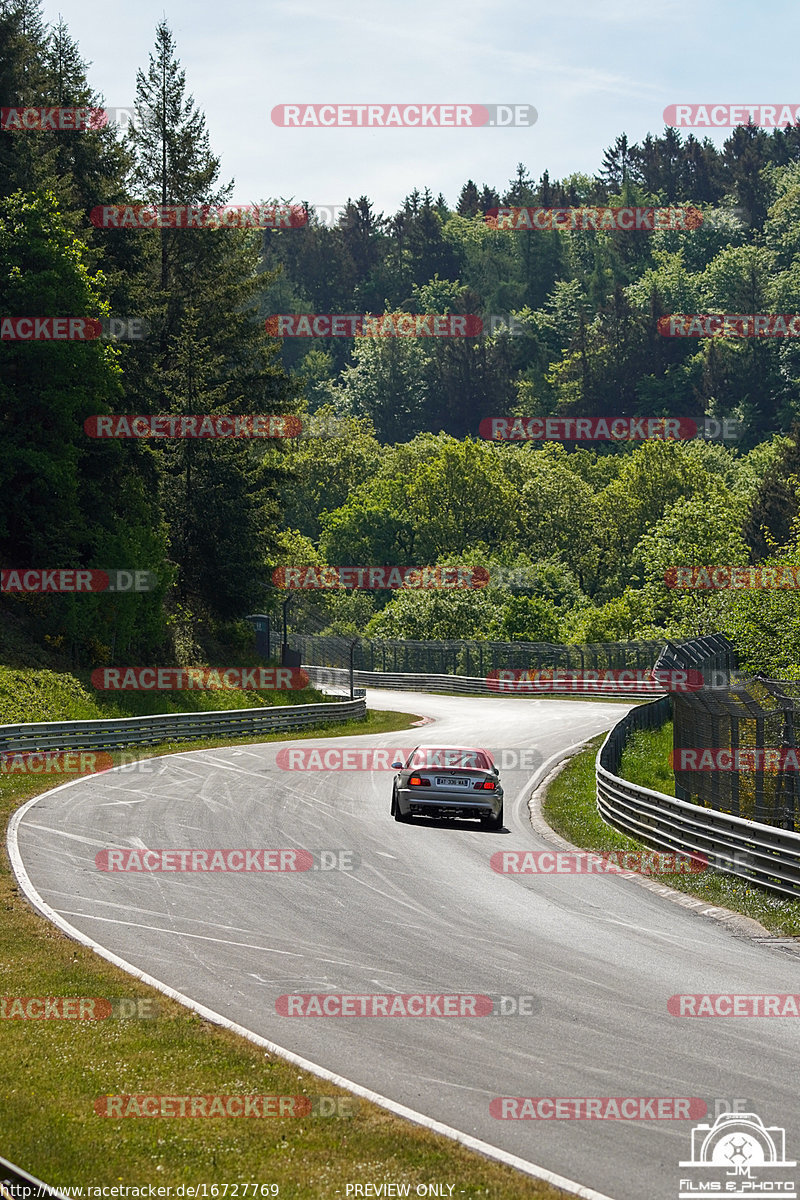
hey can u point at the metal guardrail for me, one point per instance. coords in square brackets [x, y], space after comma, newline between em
[128, 731]
[338, 677]
[19, 1185]
[762, 854]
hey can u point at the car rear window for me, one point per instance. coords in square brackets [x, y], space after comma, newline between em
[433, 756]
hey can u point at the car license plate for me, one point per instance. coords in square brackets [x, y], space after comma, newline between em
[448, 781]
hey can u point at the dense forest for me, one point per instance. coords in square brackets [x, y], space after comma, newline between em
[577, 538]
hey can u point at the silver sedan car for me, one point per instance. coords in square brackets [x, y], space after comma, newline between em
[448, 782]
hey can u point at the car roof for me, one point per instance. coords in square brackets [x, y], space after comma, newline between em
[458, 749]
[449, 746]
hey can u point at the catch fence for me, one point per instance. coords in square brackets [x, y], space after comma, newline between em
[466, 658]
[742, 729]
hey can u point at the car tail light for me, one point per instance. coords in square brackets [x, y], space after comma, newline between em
[418, 781]
[486, 785]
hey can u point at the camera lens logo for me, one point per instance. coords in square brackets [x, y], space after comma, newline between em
[738, 1155]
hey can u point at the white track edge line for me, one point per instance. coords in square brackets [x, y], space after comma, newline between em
[400, 1110]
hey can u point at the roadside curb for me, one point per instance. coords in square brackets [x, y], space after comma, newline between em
[493, 1153]
[737, 923]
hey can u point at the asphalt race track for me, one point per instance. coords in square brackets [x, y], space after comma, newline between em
[424, 912]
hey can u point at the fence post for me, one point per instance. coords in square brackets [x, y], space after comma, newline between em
[735, 777]
[788, 778]
[759, 775]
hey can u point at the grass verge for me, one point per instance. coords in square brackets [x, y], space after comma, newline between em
[41, 695]
[57, 1069]
[570, 808]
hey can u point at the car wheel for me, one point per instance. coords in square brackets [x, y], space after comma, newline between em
[491, 822]
[398, 816]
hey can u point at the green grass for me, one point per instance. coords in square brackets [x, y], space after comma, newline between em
[55, 1070]
[645, 759]
[43, 695]
[570, 808]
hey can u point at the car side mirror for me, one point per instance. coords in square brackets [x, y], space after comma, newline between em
[397, 766]
[496, 771]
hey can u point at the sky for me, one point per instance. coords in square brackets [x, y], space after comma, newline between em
[591, 70]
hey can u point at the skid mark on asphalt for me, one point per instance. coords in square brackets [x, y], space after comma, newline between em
[75, 837]
[152, 912]
[180, 933]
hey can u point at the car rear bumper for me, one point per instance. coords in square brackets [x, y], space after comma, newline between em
[438, 806]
